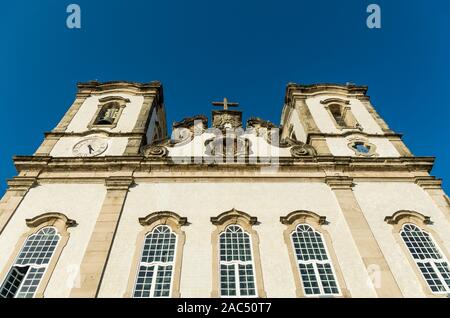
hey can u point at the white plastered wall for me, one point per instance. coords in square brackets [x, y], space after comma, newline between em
[299, 130]
[196, 147]
[325, 123]
[64, 146]
[80, 202]
[88, 109]
[199, 201]
[339, 146]
[378, 200]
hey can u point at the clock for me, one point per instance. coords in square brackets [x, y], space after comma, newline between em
[90, 147]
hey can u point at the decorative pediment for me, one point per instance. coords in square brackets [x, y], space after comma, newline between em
[50, 217]
[334, 100]
[163, 217]
[407, 216]
[235, 215]
[302, 216]
[114, 99]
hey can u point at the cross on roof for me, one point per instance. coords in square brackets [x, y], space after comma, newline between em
[225, 104]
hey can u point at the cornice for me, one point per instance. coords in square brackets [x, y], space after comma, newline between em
[339, 182]
[118, 183]
[94, 87]
[352, 132]
[428, 182]
[93, 132]
[21, 183]
[294, 90]
[317, 163]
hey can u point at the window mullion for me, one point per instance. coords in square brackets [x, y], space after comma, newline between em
[25, 277]
[153, 283]
[237, 280]
[319, 280]
[438, 273]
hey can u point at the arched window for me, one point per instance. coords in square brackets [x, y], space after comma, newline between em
[29, 267]
[430, 261]
[155, 274]
[236, 263]
[341, 112]
[336, 111]
[108, 114]
[316, 271]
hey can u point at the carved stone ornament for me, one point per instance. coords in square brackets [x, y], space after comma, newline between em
[227, 119]
[157, 151]
[184, 131]
[301, 151]
[257, 122]
[189, 122]
[298, 148]
[227, 146]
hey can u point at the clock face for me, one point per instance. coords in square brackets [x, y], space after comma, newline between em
[90, 147]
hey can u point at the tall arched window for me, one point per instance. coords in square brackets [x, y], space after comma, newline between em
[316, 271]
[154, 277]
[236, 263]
[29, 267]
[236, 260]
[429, 259]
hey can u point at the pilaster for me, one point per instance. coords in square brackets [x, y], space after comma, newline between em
[433, 187]
[70, 114]
[50, 141]
[363, 237]
[400, 146]
[17, 189]
[134, 144]
[97, 252]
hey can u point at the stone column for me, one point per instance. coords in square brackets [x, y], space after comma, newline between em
[17, 189]
[97, 252]
[434, 189]
[363, 237]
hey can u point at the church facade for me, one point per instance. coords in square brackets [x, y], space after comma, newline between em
[330, 203]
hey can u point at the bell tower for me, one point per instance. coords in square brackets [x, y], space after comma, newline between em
[108, 119]
[338, 120]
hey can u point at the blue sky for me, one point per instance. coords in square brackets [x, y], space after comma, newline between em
[246, 50]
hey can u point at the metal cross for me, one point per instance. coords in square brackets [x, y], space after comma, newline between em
[225, 104]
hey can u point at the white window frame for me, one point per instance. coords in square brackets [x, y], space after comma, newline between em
[314, 263]
[429, 260]
[32, 266]
[236, 267]
[156, 266]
